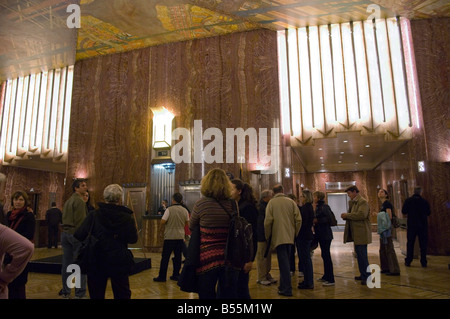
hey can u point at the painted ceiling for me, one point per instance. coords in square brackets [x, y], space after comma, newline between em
[34, 34]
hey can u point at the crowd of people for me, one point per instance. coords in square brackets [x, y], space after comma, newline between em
[280, 225]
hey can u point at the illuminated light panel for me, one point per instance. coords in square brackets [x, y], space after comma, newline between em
[376, 95]
[361, 65]
[316, 78]
[338, 70]
[401, 96]
[284, 83]
[294, 82]
[305, 82]
[327, 75]
[350, 74]
[386, 71]
[413, 82]
[35, 110]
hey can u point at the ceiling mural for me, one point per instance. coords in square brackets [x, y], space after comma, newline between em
[111, 26]
[34, 35]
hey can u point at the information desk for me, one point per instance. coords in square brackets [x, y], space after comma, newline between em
[152, 233]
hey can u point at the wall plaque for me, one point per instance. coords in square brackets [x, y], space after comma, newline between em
[338, 185]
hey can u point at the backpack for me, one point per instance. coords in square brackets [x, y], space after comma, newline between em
[239, 247]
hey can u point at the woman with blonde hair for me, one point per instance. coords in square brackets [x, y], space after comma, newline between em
[209, 213]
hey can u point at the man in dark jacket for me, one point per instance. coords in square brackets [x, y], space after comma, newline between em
[417, 210]
[54, 219]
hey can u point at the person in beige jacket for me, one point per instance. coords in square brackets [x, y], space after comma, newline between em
[357, 229]
[281, 225]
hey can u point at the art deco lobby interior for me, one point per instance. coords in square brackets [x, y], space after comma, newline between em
[151, 95]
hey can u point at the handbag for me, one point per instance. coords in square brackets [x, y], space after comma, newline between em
[395, 222]
[87, 253]
[188, 279]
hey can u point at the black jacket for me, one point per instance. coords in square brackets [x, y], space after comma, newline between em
[115, 228]
[417, 210]
[307, 212]
[322, 228]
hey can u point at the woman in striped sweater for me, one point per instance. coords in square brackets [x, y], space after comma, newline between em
[214, 223]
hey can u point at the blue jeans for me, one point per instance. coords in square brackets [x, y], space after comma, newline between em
[363, 261]
[70, 247]
[283, 256]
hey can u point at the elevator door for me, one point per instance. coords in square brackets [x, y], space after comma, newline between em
[338, 203]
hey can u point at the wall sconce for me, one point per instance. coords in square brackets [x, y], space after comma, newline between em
[162, 127]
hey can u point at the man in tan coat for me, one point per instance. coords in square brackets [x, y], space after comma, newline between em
[357, 229]
[281, 225]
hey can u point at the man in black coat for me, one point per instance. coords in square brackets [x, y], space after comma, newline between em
[54, 219]
[417, 210]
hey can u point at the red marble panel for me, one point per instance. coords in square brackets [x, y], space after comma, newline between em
[227, 82]
[43, 183]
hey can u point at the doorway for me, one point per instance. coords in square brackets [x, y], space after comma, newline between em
[338, 203]
[162, 185]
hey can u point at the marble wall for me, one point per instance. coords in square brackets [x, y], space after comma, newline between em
[45, 186]
[227, 82]
[430, 141]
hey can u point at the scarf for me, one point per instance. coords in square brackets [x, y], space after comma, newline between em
[15, 213]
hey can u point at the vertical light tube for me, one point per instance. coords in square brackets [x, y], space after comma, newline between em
[377, 114]
[294, 82]
[43, 96]
[5, 119]
[398, 71]
[29, 113]
[362, 76]
[47, 114]
[413, 81]
[327, 77]
[22, 104]
[316, 78]
[339, 79]
[67, 109]
[16, 105]
[283, 82]
[384, 58]
[305, 82]
[35, 109]
[53, 112]
[59, 114]
[350, 74]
